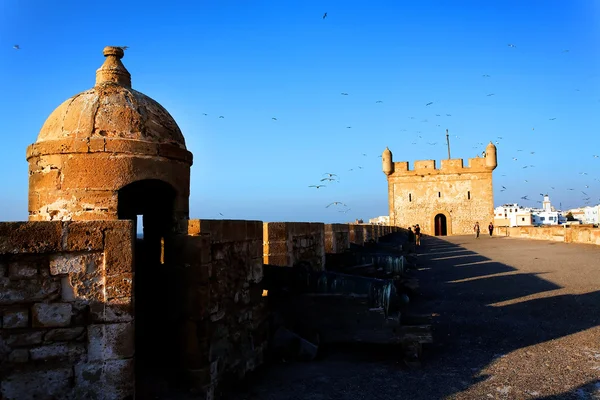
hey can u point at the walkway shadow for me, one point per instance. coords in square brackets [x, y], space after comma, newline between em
[472, 330]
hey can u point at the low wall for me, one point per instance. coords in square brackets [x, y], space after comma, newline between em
[224, 326]
[66, 310]
[287, 243]
[585, 234]
[66, 302]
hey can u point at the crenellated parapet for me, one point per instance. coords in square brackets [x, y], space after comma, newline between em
[486, 163]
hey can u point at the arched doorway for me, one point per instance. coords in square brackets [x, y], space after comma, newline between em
[440, 225]
[152, 201]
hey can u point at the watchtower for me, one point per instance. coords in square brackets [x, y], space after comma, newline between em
[443, 201]
[110, 153]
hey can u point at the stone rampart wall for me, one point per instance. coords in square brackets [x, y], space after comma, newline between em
[224, 327]
[569, 234]
[66, 327]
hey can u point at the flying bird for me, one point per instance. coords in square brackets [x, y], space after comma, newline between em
[274, 119]
[448, 115]
[220, 116]
[16, 47]
[348, 127]
[329, 174]
[485, 76]
[491, 94]
[511, 45]
[324, 15]
[552, 119]
[329, 179]
[221, 214]
[204, 114]
[335, 203]
[379, 101]
[344, 94]
[317, 186]
[430, 103]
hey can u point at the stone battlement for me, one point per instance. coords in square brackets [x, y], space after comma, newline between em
[448, 166]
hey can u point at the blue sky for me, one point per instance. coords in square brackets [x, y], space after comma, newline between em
[250, 61]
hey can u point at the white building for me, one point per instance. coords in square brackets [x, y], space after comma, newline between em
[382, 220]
[547, 215]
[516, 215]
[586, 215]
[512, 215]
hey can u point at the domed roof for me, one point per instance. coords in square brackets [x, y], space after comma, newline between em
[112, 109]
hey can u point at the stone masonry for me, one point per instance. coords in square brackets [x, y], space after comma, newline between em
[446, 200]
[66, 311]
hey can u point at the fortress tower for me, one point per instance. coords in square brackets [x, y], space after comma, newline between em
[110, 152]
[444, 201]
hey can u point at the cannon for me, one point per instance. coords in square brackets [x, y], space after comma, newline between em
[327, 307]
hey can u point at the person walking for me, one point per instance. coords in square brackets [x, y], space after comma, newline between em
[417, 235]
[491, 228]
[476, 229]
[411, 239]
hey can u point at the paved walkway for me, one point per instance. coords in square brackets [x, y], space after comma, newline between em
[513, 318]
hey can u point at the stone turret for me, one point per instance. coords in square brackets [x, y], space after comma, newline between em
[109, 152]
[387, 162]
[491, 160]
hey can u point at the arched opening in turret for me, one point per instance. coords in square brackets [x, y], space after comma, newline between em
[150, 204]
[440, 225]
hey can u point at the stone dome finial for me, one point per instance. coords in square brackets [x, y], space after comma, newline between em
[113, 70]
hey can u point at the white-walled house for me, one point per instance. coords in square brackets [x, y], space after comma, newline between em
[516, 215]
[512, 215]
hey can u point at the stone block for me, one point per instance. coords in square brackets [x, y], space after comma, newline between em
[39, 384]
[109, 380]
[275, 231]
[114, 310]
[131, 146]
[37, 289]
[84, 236]
[25, 339]
[276, 248]
[118, 286]
[88, 285]
[19, 356]
[15, 318]
[75, 263]
[64, 351]
[23, 269]
[118, 250]
[64, 334]
[96, 145]
[174, 152]
[51, 315]
[234, 230]
[30, 237]
[255, 248]
[110, 341]
[254, 230]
